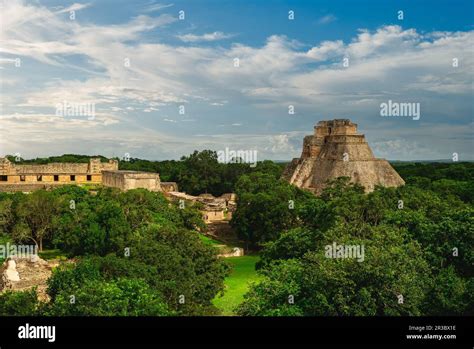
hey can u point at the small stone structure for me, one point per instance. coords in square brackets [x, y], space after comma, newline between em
[337, 150]
[28, 177]
[127, 180]
[169, 186]
[21, 274]
[10, 273]
[235, 252]
[214, 209]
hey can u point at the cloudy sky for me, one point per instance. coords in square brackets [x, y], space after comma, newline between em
[225, 73]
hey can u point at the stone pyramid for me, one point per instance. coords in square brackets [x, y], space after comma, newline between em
[337, 150]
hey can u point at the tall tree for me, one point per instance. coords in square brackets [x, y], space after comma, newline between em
[36, 216]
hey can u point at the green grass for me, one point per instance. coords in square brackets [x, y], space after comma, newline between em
[45, 254]
[52, 254]
[237, 283]
[209, 241]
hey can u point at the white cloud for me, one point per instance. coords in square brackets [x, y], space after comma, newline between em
[326, 50]
[327, 19]
[215, 36]
[156, 7]
[389, 62]
[74, 7]
[280, 144]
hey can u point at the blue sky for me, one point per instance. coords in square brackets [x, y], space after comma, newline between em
[47, 58]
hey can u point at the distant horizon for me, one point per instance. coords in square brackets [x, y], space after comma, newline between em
[178, 159]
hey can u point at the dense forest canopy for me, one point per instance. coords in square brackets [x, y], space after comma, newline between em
[198, 173]
[130, 246]
[418, 241]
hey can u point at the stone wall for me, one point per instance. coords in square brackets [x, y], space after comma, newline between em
[127, 180]
[169, 186]
[335, 127]
[25, 177]
[95, 166]
[52, 168]
[28, 187]
[214, 209]
[215, 215]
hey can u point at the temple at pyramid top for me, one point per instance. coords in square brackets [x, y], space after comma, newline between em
[336, 150]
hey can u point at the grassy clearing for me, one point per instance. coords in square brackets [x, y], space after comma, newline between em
[45, 254]
[237, 283]
[52, 254]
[209, 241]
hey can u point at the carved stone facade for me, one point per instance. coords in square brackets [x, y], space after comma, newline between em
[27, 177]
[337, 150]
[30, 177]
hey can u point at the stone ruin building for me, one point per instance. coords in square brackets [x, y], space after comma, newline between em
[28, 177]
[127, 180]
[337, 150]
[25, 273]
[214, 209]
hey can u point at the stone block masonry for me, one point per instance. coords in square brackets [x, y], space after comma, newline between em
[337, 150]
[28, 177]
[127, 180]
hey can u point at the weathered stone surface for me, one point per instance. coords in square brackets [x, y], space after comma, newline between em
[95, 166]
[127, 180]
[337, 150]
[234, 252]
[21, 274]
[11, 274]
[214, 209]
[169, 186]
[32, 177]
[29, 177]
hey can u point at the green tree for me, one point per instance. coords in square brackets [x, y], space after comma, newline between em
[265, 207]
[6, 216]
[23, 303]
[320, 286]
[121, 297]
[35, 218]
[184, 267]
[449, 295]
[291, 244]
[202, 172]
